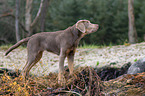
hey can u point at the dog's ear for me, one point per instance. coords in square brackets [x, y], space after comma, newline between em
[80, 26]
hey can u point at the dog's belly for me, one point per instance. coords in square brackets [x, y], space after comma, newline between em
[57, 52]
[53, 48]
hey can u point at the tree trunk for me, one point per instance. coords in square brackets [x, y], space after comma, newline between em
[28, 22]
[132, 34]
[38, 14]
[43, 15]
[28, 16]
[17, 21]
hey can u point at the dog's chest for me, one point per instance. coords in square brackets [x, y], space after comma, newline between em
[70, 51]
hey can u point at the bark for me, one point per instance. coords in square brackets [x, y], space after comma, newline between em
[43, 15]
[28, 16]
[28, 21]
[17, 21]
[132, 34]
[29, 25]
[38, 14]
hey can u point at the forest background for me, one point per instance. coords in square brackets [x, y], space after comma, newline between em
[111, 15]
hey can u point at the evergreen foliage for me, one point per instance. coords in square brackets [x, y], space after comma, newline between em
[111, 15]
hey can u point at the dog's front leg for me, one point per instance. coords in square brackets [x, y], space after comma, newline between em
[70, 58]
[61, 79]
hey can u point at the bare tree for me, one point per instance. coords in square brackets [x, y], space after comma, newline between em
[29, 24]
[17, 21]
[132, 34]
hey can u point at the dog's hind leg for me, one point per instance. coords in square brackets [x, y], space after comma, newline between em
[31, 61]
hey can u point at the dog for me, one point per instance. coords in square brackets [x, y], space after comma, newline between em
[62, 43]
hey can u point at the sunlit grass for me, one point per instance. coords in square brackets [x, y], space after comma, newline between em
[93, 46]
[88, 46]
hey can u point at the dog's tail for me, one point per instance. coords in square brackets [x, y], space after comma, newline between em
[17, 45]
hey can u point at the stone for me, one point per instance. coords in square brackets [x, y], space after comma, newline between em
[137, 67]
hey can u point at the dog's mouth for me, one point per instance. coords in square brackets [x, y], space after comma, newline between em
[94, 28]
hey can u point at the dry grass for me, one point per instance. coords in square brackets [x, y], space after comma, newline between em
[85, 81]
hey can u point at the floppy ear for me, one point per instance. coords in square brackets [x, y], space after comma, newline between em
[80, 26]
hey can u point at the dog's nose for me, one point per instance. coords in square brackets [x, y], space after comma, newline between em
[97, 25]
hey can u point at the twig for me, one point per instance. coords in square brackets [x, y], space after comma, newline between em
[63, 91]
[90, 81]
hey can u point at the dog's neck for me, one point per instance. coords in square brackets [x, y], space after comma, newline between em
[75, 31]
[77, 34]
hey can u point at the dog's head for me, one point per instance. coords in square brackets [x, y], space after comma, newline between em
[86, 27]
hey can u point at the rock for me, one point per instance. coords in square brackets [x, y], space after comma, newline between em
[137, 67]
